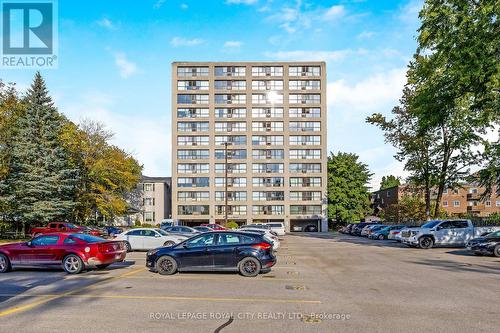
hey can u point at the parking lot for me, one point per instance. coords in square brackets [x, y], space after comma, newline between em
[351, 284]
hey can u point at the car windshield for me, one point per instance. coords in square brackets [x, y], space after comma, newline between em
[88, 238]
[161, 232]
[494, 234]
[431, 224]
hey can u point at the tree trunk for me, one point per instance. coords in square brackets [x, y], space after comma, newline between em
[444, 171]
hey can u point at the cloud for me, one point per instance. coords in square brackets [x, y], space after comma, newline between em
[366, 34]
[184, 6]
[126, 68]
[232, 45]
[241, 2]
[179, 41]
[146, 138]
[158, 4]
[304, 55]
[106, 23]
[334, 12]
[409, 12]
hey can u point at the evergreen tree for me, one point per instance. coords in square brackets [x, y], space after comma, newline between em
[389, 181]
[40, 183]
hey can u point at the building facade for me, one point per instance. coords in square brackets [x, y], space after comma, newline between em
[271, 117]
[155, 201]
[463, 201]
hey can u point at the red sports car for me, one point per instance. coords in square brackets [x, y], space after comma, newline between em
[74, 251]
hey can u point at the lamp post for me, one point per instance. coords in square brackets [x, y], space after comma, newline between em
[225, 182]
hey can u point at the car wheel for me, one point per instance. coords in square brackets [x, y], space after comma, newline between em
[381, 237]
[72, 264]
[128, 247]
[102, 266]
[169, 243]
[496, 251]
[249, 267]
[425, 242]
[166, 265]
[4, 264]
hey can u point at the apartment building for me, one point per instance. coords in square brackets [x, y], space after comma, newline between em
[265, 122]
[155, 199]
[462, 201]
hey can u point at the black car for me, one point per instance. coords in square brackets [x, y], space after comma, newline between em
[112, 230]
[247, 253]
[356, 229]
[487, 245]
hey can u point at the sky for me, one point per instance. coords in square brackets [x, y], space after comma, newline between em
[115, 63]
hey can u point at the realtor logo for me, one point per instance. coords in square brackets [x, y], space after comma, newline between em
[29, 34]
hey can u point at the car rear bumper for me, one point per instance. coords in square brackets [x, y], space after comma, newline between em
[480, 249]
[106, 258]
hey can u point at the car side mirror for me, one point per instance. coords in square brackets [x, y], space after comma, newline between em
[185, 246]
[157, 236]
[29, 244]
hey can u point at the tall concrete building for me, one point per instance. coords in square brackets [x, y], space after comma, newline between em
[271, 117]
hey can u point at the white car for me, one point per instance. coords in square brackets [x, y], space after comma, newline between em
[364, 231]
[277, 227]
[267, 234]
[148, 238]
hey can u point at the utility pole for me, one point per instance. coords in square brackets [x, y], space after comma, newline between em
[225, 182]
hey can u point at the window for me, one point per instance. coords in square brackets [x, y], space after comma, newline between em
[268, 154]
[148, 187]
[45, 240]
[267, 126]
[230, 113]
[456, 191]
[149, 216]
[149, 233]
[192, 71]
[201, 241]
[134, 233]
[456, 203]
[231, 210]
[304, 85]
[192, 154]
[267, 140]
[305, 181]
[231, 239]
[305, 210]
[304, 98]
[268, 196]
[305, 167]
[305, 140]
[267, 113]
[230, 126]
[231, 181]
[268, 181]
[498, 203]
[267, 71]
[305, 196]
[192, 113]
[267, 85]
[231, 154]
[305, 126]
[234, 140]
[445, 203]
[305, 154]
[192, 182]
[231, 196]
[192, 140]
[268, 210]
[304, 112]
[304, 71]
[192, 167]
[460, 224]
[230, 99]
[230, 85]
[148, 201]
[201, 126]
[267, 167]
[192, 99]
[230, 71]
[473, 191]
[192, 196]
[193, 210]
[192, 85]
[231, 168]
[271, 97]
[446, 225]
[488, 203]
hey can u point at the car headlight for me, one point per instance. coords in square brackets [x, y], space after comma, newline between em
[152, 252]
[413, 233]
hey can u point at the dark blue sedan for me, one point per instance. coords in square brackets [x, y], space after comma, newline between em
[244, 252]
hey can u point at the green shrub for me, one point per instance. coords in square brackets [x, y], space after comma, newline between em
[231, 225]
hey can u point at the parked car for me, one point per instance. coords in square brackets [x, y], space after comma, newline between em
[367, 229]
[203, 229]
[73, 251]
[247, 253]
[112, 230]
[443, 233]
[277, 227]
[213, 226]
[486, 245]
[358, 227]
[182, 230]
[383, 233]
[270, 235]
[93, 231]
[346, 229]
[310, 228]
[394, 232]
[56, 227]
[148, 238]
[166, 223]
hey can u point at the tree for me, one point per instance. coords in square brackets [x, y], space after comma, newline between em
[40, 183]
[107, 173]
[348, 196]
[389, 181]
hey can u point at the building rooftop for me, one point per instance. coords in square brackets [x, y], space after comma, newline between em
[147, 179]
